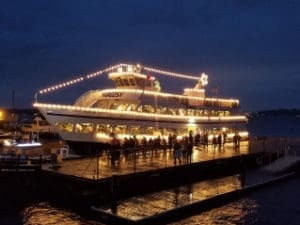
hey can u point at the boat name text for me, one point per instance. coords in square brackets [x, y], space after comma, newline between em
[113, 94]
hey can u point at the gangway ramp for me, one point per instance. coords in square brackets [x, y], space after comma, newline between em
[282, 164]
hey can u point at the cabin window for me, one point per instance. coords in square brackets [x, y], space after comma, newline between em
[181, 112]
[121, 129]
[103, 128]
[132, 82]
[190, 112]
[150, 130]
[119, 82]
[149, 109]
[65, 127]
[140, 109]
[140, 82]
[126, 82]
[172, 111]
[84, 128]
[135, 130]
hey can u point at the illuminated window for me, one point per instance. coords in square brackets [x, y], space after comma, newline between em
[149, 108]
[121, 129]
[104, 128]
[181, 112]
[135, 130]
[140, 109]
[65, 127]
[150, 130]
[84, 128]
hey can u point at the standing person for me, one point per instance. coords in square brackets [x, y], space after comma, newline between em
[224, 139]
[191, 138]
[170, 140]
[189, 152]
[197, 139]
[176, 151]
[115, 149]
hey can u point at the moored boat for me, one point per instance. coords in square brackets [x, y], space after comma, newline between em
[136, 107]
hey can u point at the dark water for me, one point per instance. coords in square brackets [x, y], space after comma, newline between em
[277, 204]
[275, 126]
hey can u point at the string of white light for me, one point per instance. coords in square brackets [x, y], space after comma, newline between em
[79, 79]
[109, 69]
[180, 75]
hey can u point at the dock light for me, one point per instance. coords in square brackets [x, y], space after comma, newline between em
[1, 115]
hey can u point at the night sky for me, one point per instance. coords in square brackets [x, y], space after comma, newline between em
[250, 49]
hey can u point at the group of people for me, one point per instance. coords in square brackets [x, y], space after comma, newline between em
[182, 148]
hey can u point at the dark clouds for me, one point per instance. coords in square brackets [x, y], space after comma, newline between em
[249, 48]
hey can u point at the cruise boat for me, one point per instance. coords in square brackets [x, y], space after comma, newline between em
[136, 106]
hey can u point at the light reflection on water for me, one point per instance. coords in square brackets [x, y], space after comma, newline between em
[46, 214]
[158, 202]
[243, 211]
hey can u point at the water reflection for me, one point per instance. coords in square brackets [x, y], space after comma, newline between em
[243, 211]
[45, 214]
[158, 202]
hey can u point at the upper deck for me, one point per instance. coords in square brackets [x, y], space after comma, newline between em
[136, 90]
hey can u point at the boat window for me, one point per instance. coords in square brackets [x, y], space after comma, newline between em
[150, 130]
[121, 129]
[135, 130]
[172, 111]
[226, 113]
[132, 82]
[181, 112]
[190, 112]
[84, 128]
[103, 128]
[163, 110]
[119, 82]
[65, 127]
[149, 108]
[140, 109]
[126, 82]
[140, 82]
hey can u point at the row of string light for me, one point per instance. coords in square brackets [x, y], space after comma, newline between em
[80, 79]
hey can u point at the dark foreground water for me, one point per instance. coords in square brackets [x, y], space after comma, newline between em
[273, 205]
[277, 204]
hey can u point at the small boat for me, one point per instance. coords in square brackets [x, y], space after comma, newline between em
[6, 135]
